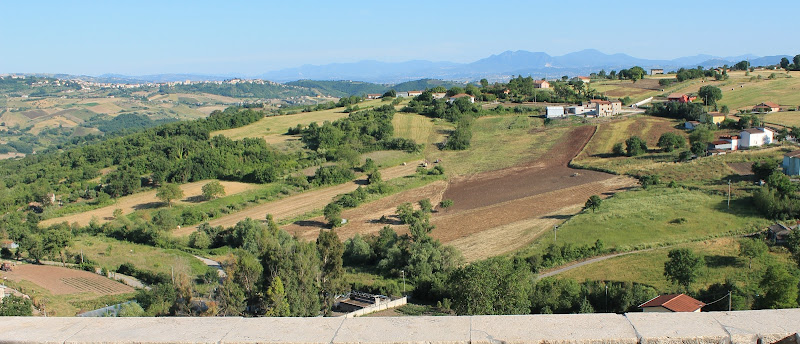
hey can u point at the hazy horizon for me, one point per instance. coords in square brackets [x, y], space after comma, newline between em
[241, 38]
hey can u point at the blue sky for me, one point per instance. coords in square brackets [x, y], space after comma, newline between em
[252, 37]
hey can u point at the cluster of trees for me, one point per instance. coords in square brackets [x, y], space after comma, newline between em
[269, 273]
[795, 65]
[360, 132]
[778, 198]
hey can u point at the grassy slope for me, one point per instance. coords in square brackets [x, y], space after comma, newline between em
[721, 256]
[111, 253]
[641, 219]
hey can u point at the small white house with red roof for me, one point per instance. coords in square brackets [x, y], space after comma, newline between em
[672, 303]
[461, 95]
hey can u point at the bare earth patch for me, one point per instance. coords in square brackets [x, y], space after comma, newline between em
[58, 280]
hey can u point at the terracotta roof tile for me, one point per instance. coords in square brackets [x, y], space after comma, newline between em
[675, 303]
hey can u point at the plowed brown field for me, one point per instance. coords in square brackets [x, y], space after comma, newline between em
[494, 212]
[60, 280]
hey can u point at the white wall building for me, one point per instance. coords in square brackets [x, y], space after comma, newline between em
[755, 137]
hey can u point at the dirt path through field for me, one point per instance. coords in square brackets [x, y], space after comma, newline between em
[302, 203]
[192, 195]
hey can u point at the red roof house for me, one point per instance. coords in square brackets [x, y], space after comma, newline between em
[767, 107]
[681, 98]
[672, 303]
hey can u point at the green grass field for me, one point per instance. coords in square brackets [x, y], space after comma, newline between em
[272, 129]
[499, 142]
[721, 257]
[784, 118]
[111, 253]
[649, 218]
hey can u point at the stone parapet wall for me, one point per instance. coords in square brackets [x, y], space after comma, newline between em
[764, 326]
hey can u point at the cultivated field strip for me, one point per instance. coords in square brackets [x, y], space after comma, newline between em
[302, 203]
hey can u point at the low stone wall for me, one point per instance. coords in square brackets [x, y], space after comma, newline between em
[764, 326]
[377, 308]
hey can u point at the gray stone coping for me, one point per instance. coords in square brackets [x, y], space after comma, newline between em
[762, 326]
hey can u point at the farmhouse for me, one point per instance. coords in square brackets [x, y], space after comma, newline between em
[541, 84]
[655, 71]
[725, 143]
[791, 163]
[672, 303]
[414, 93]
[402, 94]
[681, 98]
[585, 79]
[554, 112]
[712, 118]
[755, 137]
[461, 95]
[779, 233]
[602, 108]
[767, 107]
[616, 106]
[374, 95]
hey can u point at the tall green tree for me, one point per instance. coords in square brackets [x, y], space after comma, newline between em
[709, 94]
[780, 288]
[635, 146]
[493, 286]
[752, 248]
[593, 203]
[276, 300]
[671, 141]
[683, 267]
[330, 250]
[333, 214]
[169, 192]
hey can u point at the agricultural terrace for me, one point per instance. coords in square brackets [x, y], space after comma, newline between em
[273, 129]
[147, 200]
[63, 291]
[722, 263]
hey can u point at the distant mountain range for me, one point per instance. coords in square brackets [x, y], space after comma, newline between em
[498, 67]
[503, 66]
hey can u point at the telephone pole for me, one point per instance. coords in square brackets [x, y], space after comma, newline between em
[729, 194]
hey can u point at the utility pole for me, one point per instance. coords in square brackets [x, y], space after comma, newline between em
[729, 194]
[404, 282]
[555, 233]
[606, 298]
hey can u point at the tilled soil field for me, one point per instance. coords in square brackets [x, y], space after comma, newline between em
[60, 280]
[549, 173]
[494, 212]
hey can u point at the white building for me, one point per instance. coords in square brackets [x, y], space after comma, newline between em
[755, 137]
[554, 112]
[461, 95]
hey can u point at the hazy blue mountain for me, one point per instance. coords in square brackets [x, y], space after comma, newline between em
[509, 61]
[370, 71]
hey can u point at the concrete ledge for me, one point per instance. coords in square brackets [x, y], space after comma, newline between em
[765, 326]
